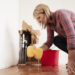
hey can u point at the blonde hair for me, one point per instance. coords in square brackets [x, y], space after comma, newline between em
[41, 9]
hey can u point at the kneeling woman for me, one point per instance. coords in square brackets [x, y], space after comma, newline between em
[63, 22]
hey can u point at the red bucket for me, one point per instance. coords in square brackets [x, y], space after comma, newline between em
[50, 58]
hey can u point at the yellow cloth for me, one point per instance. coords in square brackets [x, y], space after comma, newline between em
[34, 52]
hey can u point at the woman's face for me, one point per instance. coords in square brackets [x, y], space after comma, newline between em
[42, 19]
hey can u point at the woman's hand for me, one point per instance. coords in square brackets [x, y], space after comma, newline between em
[71, 62]
[44, 47]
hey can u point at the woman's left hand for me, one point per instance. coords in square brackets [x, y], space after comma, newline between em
[71, 62]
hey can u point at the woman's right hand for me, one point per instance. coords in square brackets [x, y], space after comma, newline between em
[44, 47]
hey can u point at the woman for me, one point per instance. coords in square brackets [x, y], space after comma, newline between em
[63, 22]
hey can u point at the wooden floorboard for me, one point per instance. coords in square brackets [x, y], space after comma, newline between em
[34, 70]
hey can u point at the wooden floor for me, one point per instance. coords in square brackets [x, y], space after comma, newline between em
[34, 70]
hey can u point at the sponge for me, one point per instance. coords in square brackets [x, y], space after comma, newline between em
[34, 52]
[38, 52]
[30, 51]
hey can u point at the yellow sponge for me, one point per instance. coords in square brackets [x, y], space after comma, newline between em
[34, 52]
[38, 52]
[30, 51]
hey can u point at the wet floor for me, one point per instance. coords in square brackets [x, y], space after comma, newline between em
[34, 70]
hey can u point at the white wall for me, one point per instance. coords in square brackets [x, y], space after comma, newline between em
[26, 13]
[9, 21]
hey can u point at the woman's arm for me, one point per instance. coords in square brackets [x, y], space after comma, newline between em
[68, 27]
[50, 38]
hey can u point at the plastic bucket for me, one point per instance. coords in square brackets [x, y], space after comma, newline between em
[50, 58]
